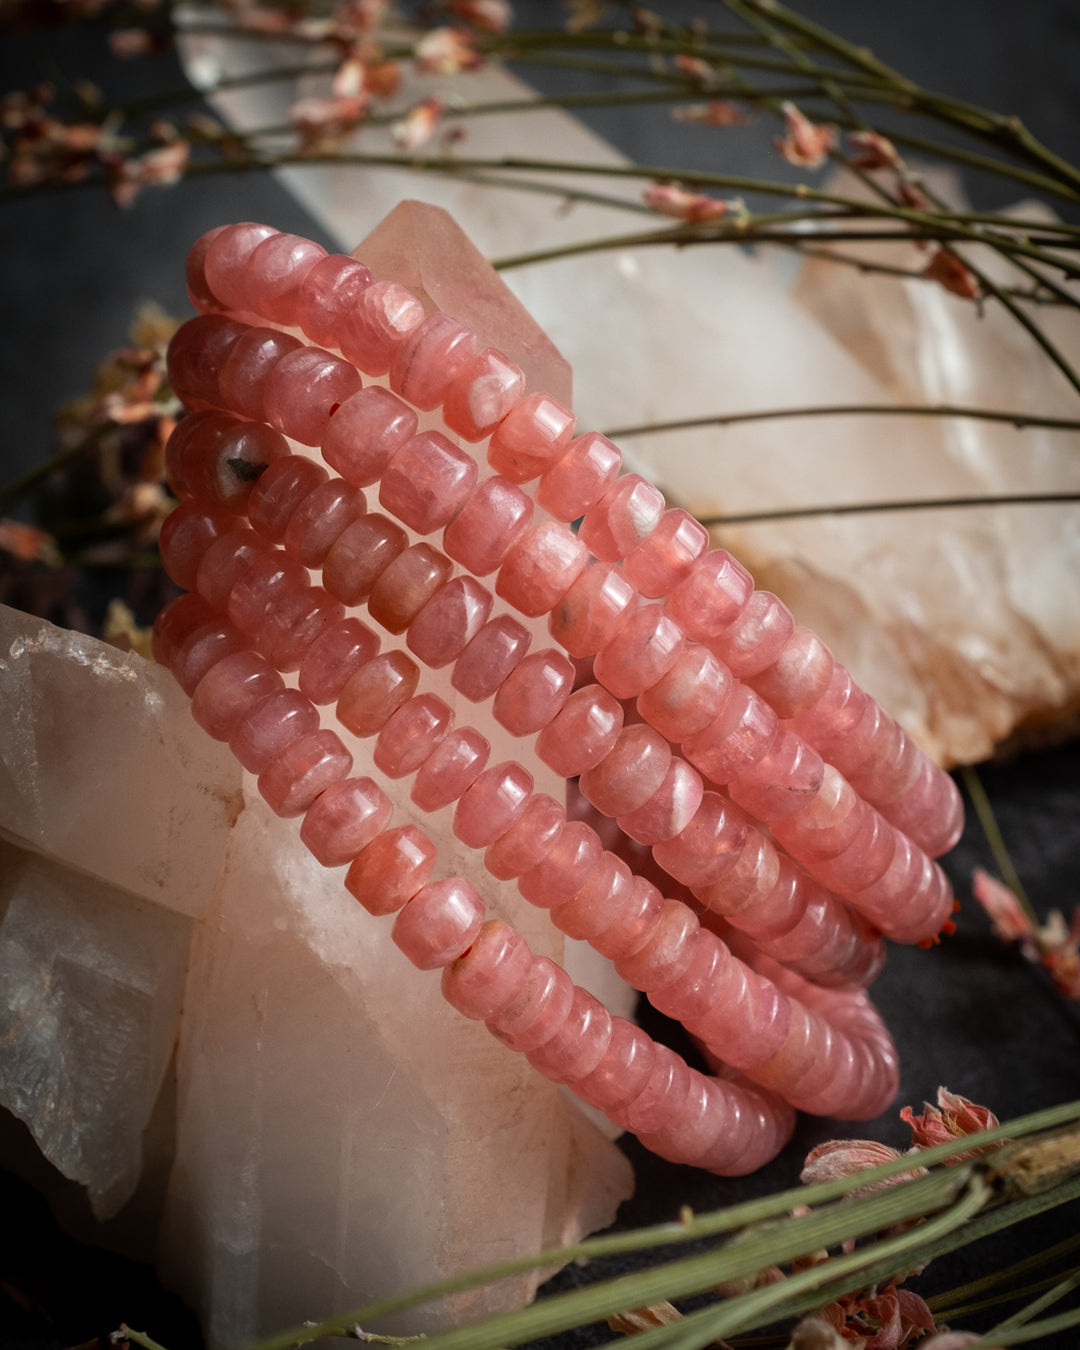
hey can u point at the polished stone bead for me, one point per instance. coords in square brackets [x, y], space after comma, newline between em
[776, 913]
[376, 691]
[598, 902]
[328, 293]
[708, 846]
[667, 952]
[229, 688]
[712, 597]
[178, 619]
[644, 649]
[201, 649]
[623, 1070]
[279, 492]
[406, 585]
[661, 1100]
[539, 1008]
[320, 520]
[427, 482]
[829, 823]
[578, 1046]
[630, 773]
[191, 441]
[531, 437]
[865, 860]
[781, 783]
[451, 768]
[490, 657]
[294, 623]
[243, 377]
[240, 457]
[424, 363]
[411, 734]
[334, 656]
[669, 810]
[196, 357]
[701, 982]
[360, 555]
[589, 615]
[565, 867]
[269, 726]
[580, 478]
[930, 811]
[382, 317]
[495, 516]
[439, 923]
[198, 288]
[742, 733]
[582, 733]
[386, 875]
[664, 558]
[302, 391]
[688, 696]
[226, 258]
[528, 841]
[638, 914]
[481, 392]
[490, 806]
[625, 515]
[449, 621]
[892, 771]
[799, 676]
[274, 271]
[258, 590]
[703, 1126]
[343, 819]
[540, 568]
[366, 432]
[534, 691]
[747, 883]
[484, 980]
[187, 533]
[307, 766]
[757, 637]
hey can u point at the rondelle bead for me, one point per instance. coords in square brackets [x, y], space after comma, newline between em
[198, 289]
[490, 975]
[835, 714]
[644, 649]
[578, 1046]
[580, 478]
[662, 1098]
[406, 585]
[565, 867]
[625, 515]
[669, 810]
[480, 394]
[799, 676]
[229, 688]
[269, 578]
[490, 806]
[343, 819]
[592, 610]
[930, 811]
[528, 840]
[534, 691]
[776, 911]
[688, 696]
[665, 954]
[439, 923]
[242, 382]
[747, 883]
[335, 655]
[452, 767]
[279, 492]
[664, 558]
[427, 482]
[294, 623]
[240, 457]
[186, 534]
[711, 598]
[360, 555]
[630, 773]
[201, 649]
[196, 356]
[192, 440]
[865, 860]
[302, 391]
[496, 515]
[375, 692]
[366, 432]
[411, 734]
[225, 562]
[178, 619]
[328, 293]
[892, 771]
[598, 902]
[386, 875]
[638, 915]
[537, 1011]
[449, 621]
[700, 984]
[490, 657]
[757, 637]
[424, 363]
[742, 733]
[320, 520]
[381, 319]
[540, 568]
[828, 823]
[274, 271]
[307, 766]
[623, 1070]
[708, 846]
[706, 1117]
[269, 726]
[582, 733]
[531, 437]
[782, 782]
[225, 262]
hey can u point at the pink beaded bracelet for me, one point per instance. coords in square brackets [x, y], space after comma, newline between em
[717, 853]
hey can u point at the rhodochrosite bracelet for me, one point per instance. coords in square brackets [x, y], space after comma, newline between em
[778, 822]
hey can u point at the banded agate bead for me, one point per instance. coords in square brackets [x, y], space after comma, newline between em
[390, 870]
[343, 819]
[439, 923]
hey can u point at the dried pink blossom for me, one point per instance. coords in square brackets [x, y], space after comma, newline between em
[912, 196]
[325, 124]
[1010, 920]
[27, 542]
[902, 1315]
[694, 68]
[418, 125]
[817, 1333]
[846, 1157]
[445, 51]
[952, 1118]
[872, 151]
[718, 112]
[1061, 952]
[124, 43]
[948, 271]
[491, 16]
[805, 143]
[695, 207]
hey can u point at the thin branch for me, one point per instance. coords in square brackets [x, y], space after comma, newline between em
[887, 507]
[996, 841]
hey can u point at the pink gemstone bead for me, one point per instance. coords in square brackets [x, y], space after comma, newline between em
[386, 875]
[381, 319]
[528, 841]
[565, 867]
[243, 377]
[202, 649]
[490, 806]
[489, 976]
[930, 811]
[782, 782]
[835, 714]
[757, 637]
[489, 658]
[196, 357]
[638, 915]
[425, 363]
[582, 733]
[799, 676]
[481, 393]
[630, 773]
[449, 621]
[777, 911]
[177, 621]
[664, 558]
[320, 520]
[279, 492]
[540, 1007]
[328, 293]
[577, 481]
[752, 877]
[307, 766]
[375, 692]
[591, 612]
[295, 622]
[741, 734]
[625, 515]
[226, 258]
[623, 1070]
[451, 768]
[198, 289]
[641, 652]
[891, 772]
[406, 586]
[275, 270]
[439, 923]
[865, 860]
[712, 597]
[360, 555]
[598, 902]
[187, 533]
[269, 726]
[828, 823]
[533, 692]
[705, 1118]
[669, 810]
[578, 1046]
[365, 433]
[666, 953]
[797, 1054]
[263, 586]
[540, 568]
[334, 656]
[345, 818]
[427, 482]
[664, 1095]
[240, 457]
[225, 562]
[688, 696]
[411, 734]
[701, 984]
[531, 437]
[304, 389]
[709, 845]
[228, 689]
[488, 525]
[192, 439]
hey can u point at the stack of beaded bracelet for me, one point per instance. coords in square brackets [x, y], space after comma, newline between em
[790, 821]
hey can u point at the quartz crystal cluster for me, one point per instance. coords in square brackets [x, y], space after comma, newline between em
[778, 821]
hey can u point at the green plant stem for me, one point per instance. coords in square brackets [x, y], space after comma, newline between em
[887, 507]
[994, 838]
[139, 1338]
[14, 491]
[1052, 1295]
[974, 1288]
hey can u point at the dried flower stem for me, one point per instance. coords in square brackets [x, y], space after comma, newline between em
[995, 840]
